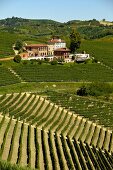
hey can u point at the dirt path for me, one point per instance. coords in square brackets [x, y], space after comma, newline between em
[6, 59]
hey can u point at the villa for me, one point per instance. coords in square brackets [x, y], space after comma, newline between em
[55, 48]
[37, 50]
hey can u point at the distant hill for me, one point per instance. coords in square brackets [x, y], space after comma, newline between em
[41, 30]
[106, 23]
[43, 27]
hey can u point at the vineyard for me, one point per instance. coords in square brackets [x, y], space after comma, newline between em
[101, 49]
[7, 78]
[73, 73]
[39, 134]
[96, 110]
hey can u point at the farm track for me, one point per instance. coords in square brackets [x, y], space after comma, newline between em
[50, 136]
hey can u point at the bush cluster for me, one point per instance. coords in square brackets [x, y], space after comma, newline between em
[95, 89]
[17, 59]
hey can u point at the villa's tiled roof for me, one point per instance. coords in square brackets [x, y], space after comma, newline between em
[63, 49]
[36, 45]
[56, 41]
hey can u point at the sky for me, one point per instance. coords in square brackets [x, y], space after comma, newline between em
[58, 10]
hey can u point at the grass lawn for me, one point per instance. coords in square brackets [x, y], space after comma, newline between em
[38, 87]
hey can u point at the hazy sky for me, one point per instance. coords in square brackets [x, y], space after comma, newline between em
[59, 10]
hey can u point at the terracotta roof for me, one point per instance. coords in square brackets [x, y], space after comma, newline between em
[56, 41]
[36, 45]
[63, 49]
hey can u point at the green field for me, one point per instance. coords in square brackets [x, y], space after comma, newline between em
[101, 49]
[7, 40]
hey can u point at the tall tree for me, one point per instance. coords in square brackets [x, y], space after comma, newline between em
[75, 41]
[18, 45]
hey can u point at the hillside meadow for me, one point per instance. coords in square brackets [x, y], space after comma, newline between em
[100, 49]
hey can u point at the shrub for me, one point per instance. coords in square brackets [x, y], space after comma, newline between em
[94, 60]
[73, 57]
[25, 62]
[82, 91]
[95, 89]
[18, 45]
[40, 61]
[88, 61]
[47, 60]
[33, 61]
[54, 62]
[17, 59]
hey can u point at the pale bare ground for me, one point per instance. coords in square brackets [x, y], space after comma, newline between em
[16, 101]
[12, 99]
[46, 144]
[28, 108]
[58, 120]
[36, 109]
[31, 109]
[101, 138]
[5, 98]
[111, 144]
[2, 130]
[26, 104]
[53, 113]
[63, 121]
[107, 140]
[1, 117]
[45, 115]
[6, 59]
[8, 141]
[79, 119]
[95, 135]
[62, 153]
[55, 151]
[80, 129]
[85, 131]
[16, 144]
[41, 159]
[20, 104]
[40, 112]
[23, 160]
[90, 135]
[32, 148]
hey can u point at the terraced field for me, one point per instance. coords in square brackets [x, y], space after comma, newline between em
[42, 135]
[99, 111]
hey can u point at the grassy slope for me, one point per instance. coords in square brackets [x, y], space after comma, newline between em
[101, 49]
[7, 40]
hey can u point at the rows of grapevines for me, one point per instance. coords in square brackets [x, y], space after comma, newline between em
[37, 111]
[47, 150]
